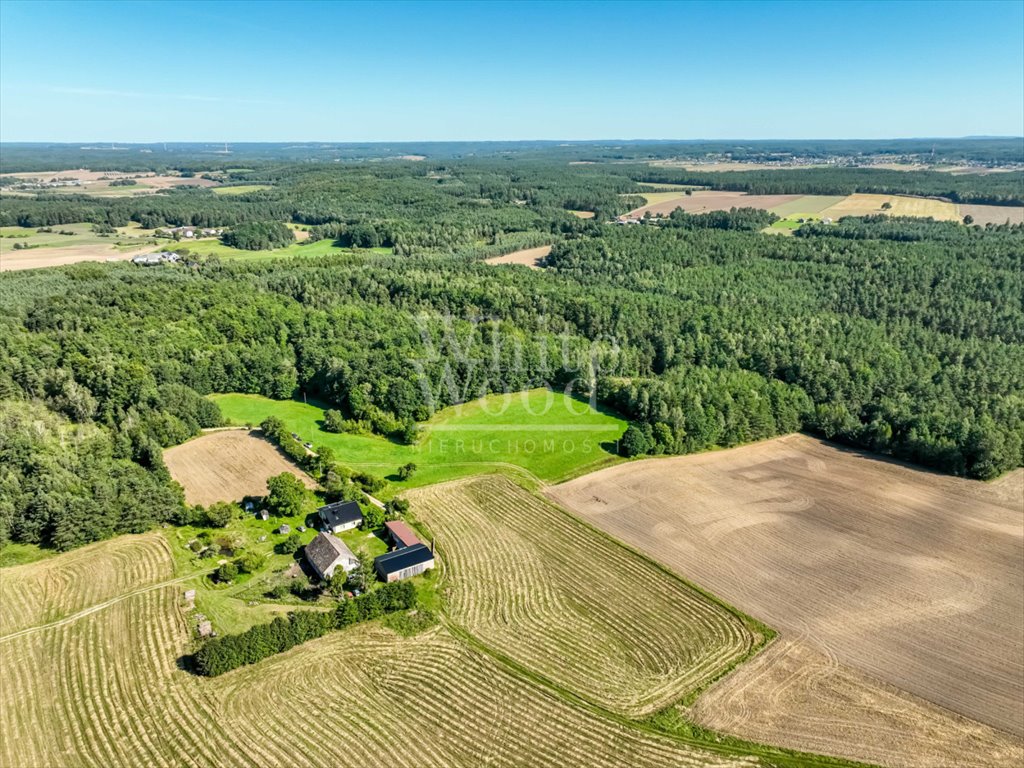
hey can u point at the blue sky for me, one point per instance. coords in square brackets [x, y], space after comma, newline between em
[278, 71]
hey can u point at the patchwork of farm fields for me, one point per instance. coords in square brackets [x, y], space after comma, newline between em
[554, 595]
[824, 206]
[106, 687]
[906, 576]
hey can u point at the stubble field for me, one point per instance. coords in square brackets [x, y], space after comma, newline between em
[227, 466]
[540, 587]
[910, 577]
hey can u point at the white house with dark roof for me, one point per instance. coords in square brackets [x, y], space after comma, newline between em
[327, 553]
[340, 516]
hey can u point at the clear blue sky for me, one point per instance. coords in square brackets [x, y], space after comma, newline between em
[278, 71]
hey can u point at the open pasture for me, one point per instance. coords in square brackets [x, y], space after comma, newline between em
[52, 249]
[868, 205]
[907, 576]
[542, 435]
[796, 696]
[241, 189]
[227, 465]
[556, 596]
[807, 205]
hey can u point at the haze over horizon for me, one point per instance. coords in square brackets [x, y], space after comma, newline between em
[418, 72]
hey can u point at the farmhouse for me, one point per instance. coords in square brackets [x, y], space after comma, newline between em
[401, 534]
[405, 562]
[151, 259]
[326, 553]
[340, 516]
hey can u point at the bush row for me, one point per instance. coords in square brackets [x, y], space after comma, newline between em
[223, 654]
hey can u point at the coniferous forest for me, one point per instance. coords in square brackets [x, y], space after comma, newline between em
[901, 336]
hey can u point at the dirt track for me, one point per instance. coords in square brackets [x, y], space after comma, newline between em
[908, 576]
[227, 466]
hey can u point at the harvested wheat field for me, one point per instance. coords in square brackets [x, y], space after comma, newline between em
[49, 590]
[543, 589]
[993, 214]
[37, 258]
[106, 689]
[868, 205]
[227, 465]
[908, 576]
[796, 696]
[531, 257]
[705, 200]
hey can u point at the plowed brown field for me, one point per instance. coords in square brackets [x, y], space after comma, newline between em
[910, 577]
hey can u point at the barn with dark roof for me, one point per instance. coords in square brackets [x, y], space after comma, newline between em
[405, 562]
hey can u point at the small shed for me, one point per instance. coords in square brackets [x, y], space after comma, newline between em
[285, 528]
[205, 628]
[263, 514]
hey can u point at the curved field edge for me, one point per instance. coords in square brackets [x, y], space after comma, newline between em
[544, 436]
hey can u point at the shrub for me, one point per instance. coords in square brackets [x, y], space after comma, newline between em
[227, 572]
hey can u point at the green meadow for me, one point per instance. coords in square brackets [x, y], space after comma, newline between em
[539, 435]
[240, 189]
[214, 247]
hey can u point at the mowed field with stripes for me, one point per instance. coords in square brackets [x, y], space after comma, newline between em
[549, 632]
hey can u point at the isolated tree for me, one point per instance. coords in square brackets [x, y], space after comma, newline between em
[290, 545]
[227, 572]
[406, 471]
[333, 421]
[220, 513]
[968, 219]
[886, 206]
[287, 496]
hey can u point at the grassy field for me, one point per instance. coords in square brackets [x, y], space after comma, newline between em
[240, 189]
[547, 591]
[543, 435]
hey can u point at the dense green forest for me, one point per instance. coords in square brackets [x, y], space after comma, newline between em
[904, 337]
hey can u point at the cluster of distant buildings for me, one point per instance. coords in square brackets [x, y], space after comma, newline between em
[152, 259]
[326, 552]
[189, 233]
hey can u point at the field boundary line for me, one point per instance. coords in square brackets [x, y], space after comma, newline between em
[96, 608]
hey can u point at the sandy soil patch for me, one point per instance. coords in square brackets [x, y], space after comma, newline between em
[867, 205]
[704, 200]
[227, 466]
[908, 576]
[37, 258]
[583, 214]
[808, 204]
[993, 214]
[798, 697]
[531, 257]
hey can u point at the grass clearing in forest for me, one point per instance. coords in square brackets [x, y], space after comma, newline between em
[539, 433]
[240, 189]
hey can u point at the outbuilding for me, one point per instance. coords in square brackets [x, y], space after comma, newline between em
[326, 553]
[401, 534]
[340, 516]
[405, 562]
